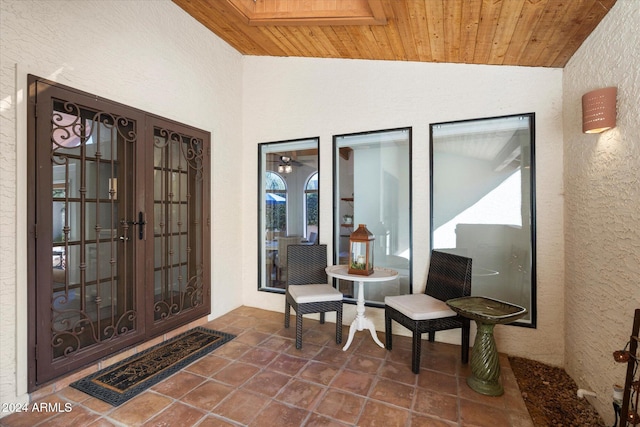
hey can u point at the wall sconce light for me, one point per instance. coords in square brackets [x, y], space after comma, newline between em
[599, 110]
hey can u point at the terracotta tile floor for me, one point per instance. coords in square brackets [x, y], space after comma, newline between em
[260, 379]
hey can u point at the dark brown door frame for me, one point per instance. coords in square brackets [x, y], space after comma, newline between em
[39, 214]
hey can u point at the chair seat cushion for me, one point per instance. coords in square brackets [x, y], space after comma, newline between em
[419, 306]
[314, 293]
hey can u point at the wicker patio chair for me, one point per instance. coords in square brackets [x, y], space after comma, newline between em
[281, 258]
[449, 277]
[308, 290]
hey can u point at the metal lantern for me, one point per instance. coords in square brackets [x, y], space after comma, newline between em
[361, 251]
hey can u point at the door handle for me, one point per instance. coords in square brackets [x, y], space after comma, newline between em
[140, 223]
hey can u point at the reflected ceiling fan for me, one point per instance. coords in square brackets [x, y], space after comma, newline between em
[286, 162]
[285, 165]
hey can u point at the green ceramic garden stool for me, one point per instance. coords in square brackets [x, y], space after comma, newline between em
[485, 364]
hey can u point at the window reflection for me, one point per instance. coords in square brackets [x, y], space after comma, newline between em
[482, 203]
[311, 208]
[287, 206]
[372, 186]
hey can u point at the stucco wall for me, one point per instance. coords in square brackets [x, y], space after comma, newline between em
[290, 98]
[147, 54]
[602, 210]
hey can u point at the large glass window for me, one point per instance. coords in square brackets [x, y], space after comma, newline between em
[287, 205]
[372, 186]
[482, 203]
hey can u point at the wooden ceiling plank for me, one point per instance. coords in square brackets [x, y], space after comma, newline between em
[344, 33]
[366, 42]
[266, 45]
[435, 25]
[393, 35]
[386, 50]
[289, 44]
[599, 12]
[403, 28]
[452, 11]
[387, 47]
[469, 23]
[582, 24]
[332, 37]
[531, 13]
[563, 31]
[281, 40]
[323, 42]
[509, 16]
[397, 45]
[297, 36]
[551, 16]
[489, 15]
[418, 23]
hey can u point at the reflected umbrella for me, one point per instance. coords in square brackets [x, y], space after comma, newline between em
[274, 199]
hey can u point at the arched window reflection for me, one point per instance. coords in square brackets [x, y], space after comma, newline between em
[311, 208]
[275, 205]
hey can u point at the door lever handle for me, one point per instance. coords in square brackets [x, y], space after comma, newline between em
[140, 223]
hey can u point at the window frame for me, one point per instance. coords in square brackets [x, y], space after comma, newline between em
[337, 214]
[277, 147]
[531, 322]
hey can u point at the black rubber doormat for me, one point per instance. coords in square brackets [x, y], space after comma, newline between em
[124, 380]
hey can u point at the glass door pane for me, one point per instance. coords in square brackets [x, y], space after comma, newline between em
[92, 296]
[178, 224]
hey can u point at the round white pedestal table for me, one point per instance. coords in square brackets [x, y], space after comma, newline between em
[361, 322]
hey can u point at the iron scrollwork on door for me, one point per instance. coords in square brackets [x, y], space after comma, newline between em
[92, 297]
[178, 222]
[119, 228]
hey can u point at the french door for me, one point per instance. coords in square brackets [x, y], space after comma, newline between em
[119, 220]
